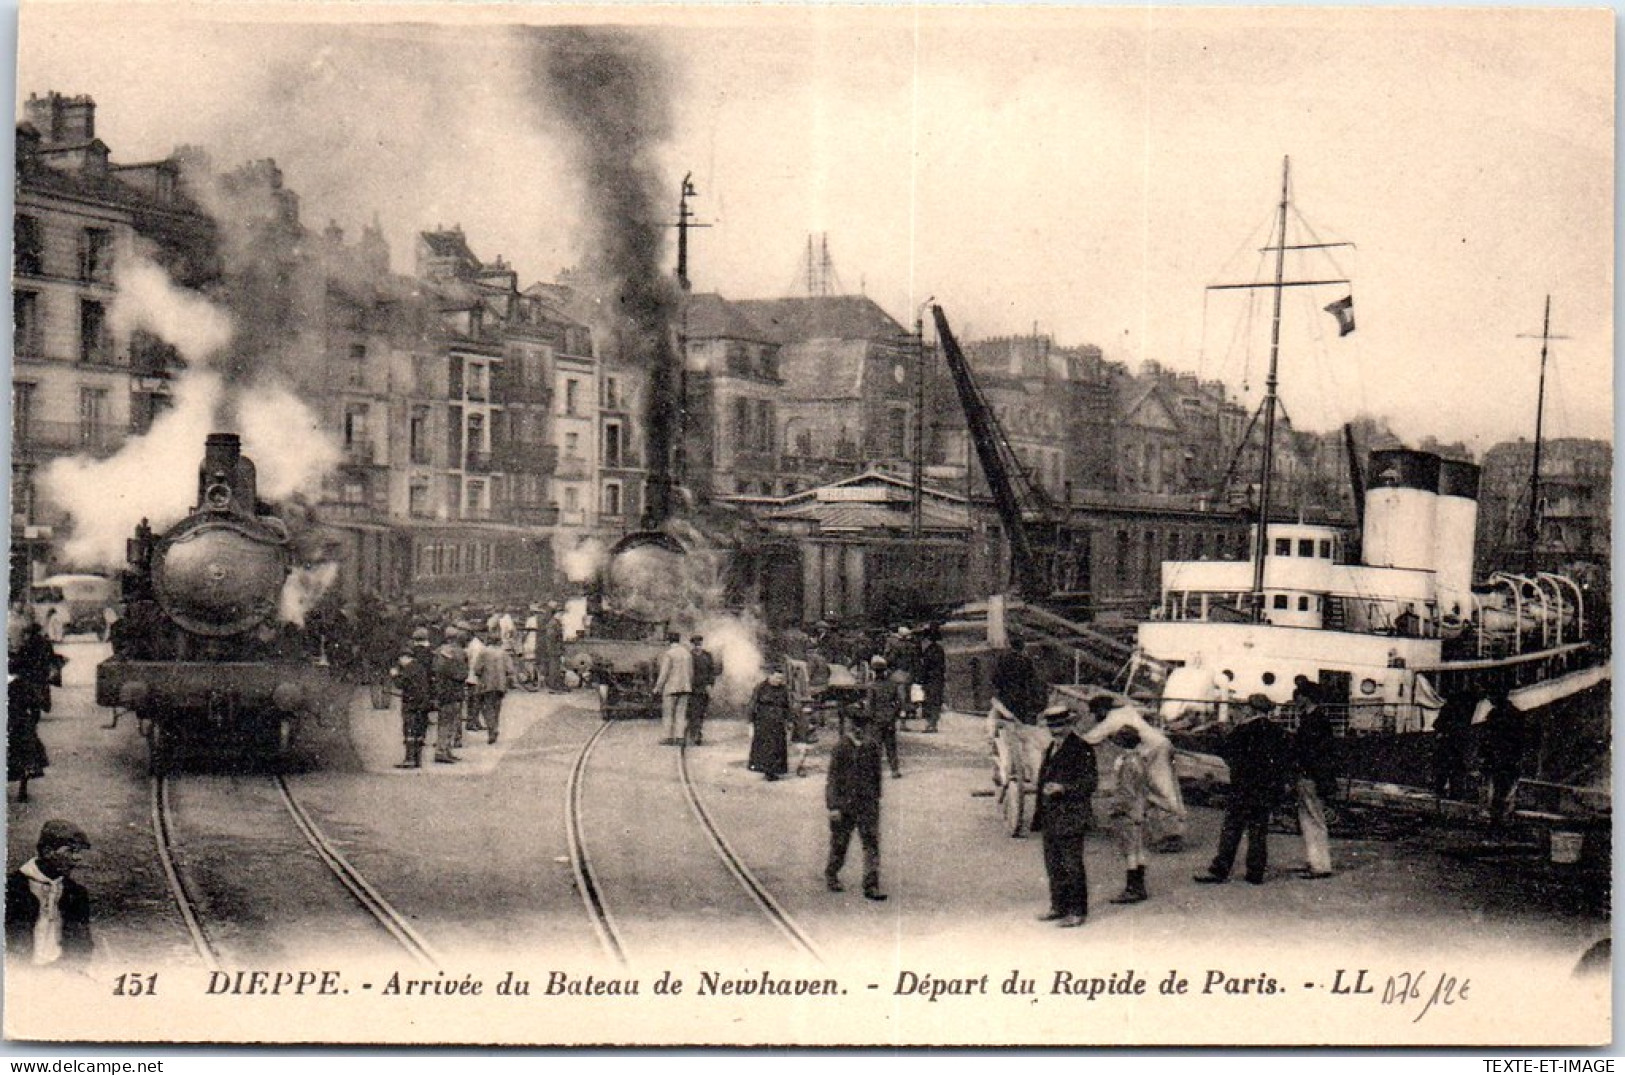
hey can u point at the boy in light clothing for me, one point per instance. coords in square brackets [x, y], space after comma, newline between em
[1132, 781]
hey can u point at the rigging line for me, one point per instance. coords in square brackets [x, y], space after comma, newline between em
[1246, 328]
[1327, 248]
[1201, 350]
[1316, 384]
[1248, 240]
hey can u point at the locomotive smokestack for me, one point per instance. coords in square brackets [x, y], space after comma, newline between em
[227, 478]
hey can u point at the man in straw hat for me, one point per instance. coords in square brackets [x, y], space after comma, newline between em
[1259, 753]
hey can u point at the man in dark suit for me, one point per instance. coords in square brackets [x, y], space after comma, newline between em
[1066, 791]
[706, 671]
[47, 911]
[1259, 753]
[1501, 747]
[852, 797]
[415, 682]
[933, 676]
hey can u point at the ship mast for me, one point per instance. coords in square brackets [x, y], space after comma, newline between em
[1272, 383]
[1532, 522]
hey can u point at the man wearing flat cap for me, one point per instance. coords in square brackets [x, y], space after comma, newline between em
[1259, 754]
[1066, 794]
[47, 911]
[414, 681]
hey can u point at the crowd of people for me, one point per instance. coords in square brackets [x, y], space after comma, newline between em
[454, 667]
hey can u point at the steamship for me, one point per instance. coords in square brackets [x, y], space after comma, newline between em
[1387, 636]
[1390, 631]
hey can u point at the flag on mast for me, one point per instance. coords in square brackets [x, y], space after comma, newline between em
[1343, 310]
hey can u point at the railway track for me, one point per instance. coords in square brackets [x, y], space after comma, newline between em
[758, 893]
[591, 887]
[603, 924]
[207, 940]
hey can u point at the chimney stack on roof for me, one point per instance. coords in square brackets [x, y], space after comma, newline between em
[62, 120]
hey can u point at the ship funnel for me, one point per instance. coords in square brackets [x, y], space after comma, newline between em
[1455, 529]
[1400, 516]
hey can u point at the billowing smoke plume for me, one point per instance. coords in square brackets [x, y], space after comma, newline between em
[736, 640]
[154, 477]
[583, 561]
[285, 439]
[148, 301]
[303, 587]
[610, 90]
[689, 594]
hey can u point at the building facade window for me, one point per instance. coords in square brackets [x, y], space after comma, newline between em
[612, 447]
[22, 496]
[766, 421]
[612, 499]
[95, 340]
[22, 411]
[418, 435]
[897, 432]
[355, 426]
[572, 445]
[96, 255]
[28, 258]
[93, 431]
[612, 394]
[741, 424]
[572, 394]
[417, 500]
[572, 498]
[26, 337]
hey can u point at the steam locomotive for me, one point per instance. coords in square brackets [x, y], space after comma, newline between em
[201, 656]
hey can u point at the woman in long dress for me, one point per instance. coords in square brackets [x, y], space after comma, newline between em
[770, 727]
[28, 697]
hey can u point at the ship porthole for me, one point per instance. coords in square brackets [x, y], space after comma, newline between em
[1368, 686]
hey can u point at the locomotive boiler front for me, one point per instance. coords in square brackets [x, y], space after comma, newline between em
[219, 573]
[219, 577]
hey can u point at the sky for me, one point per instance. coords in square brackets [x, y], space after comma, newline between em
[1085, 173]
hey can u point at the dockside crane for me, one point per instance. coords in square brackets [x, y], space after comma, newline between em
[1031, 519]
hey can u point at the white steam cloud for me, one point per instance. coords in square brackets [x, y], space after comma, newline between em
[153, 478]
[582, 562]
[304, 587]
[736, 640]
[147, 300]
[285, 439]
